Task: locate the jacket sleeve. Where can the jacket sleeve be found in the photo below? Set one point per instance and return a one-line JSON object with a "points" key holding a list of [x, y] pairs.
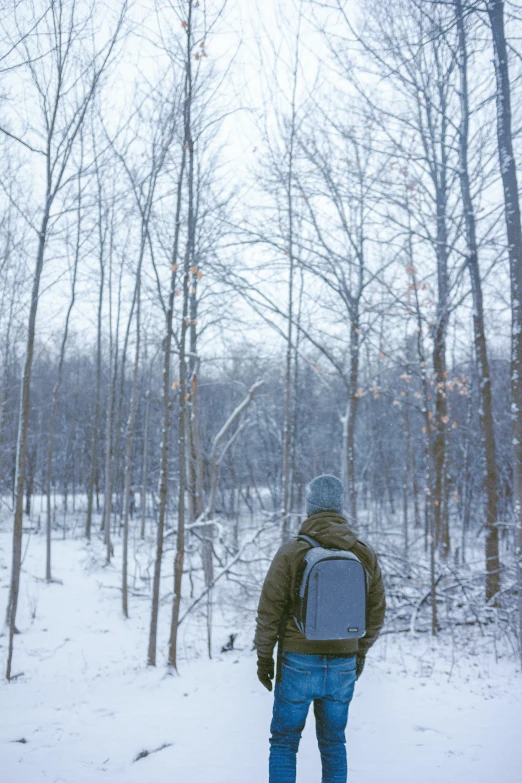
{"points": [[376, 611], [273, 603]]}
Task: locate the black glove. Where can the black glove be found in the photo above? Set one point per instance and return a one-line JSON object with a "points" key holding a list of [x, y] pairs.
{"points": [[265, 671], [359, 666]]}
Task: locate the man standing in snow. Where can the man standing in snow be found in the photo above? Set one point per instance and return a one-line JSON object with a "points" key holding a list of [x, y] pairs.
{"points": [[322, 672]]}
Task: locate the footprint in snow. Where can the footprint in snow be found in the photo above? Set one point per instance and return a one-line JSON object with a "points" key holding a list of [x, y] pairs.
{"points": [[428, 728]]}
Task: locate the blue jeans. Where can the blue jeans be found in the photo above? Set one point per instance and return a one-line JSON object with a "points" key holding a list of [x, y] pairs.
{"points": [[329, 682]]}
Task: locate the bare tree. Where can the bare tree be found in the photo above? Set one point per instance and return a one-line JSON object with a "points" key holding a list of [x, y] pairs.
{"points": [[167, 401], [184, 394], [289, 187], [508, 171], [65, 88], [102, 239], [481, 353], [144, 190], [59, 375], [338, 193]]}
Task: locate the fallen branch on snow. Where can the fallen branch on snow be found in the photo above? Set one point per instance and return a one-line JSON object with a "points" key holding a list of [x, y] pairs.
{"points": [[222, 573], [144, 753]]}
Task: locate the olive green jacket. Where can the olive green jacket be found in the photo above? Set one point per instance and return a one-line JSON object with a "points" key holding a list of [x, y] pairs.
{"points": [[332, 531]]}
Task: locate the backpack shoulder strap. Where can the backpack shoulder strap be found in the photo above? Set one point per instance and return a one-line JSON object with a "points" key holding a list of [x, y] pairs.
{"points": [[309, 540], [288, 611]]}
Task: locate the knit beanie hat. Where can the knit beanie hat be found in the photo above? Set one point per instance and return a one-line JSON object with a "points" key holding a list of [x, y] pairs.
{"points": [[325, 493]]}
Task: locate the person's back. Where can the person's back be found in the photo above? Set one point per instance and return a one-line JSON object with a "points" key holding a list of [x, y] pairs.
{"points": [[318, 671]]}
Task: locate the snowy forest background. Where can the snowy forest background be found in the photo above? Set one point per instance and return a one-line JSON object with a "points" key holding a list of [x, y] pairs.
{"points": [[241, 245]]}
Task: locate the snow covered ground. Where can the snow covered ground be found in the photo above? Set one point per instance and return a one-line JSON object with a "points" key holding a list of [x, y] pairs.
{"points": [[86, 706]]}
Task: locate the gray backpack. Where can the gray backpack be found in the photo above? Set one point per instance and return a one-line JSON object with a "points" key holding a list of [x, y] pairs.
{"points": [[330, 594]]}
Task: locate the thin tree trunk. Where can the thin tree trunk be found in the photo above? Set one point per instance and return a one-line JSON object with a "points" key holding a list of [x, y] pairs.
{"points": [[198, 498], [406, 472], [195, 455], [349, 421], [514, 237], [93, 476], [439, 367], [430, 529], [144, 481], [185, 323], [56, 391], [289, 390], [129, 441], [5, 397], [32, 457], [107, 508], [109, 418], [118, 427], [21, 447], [295, 472], [167, 404], [466, 489], [481, 354]]}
